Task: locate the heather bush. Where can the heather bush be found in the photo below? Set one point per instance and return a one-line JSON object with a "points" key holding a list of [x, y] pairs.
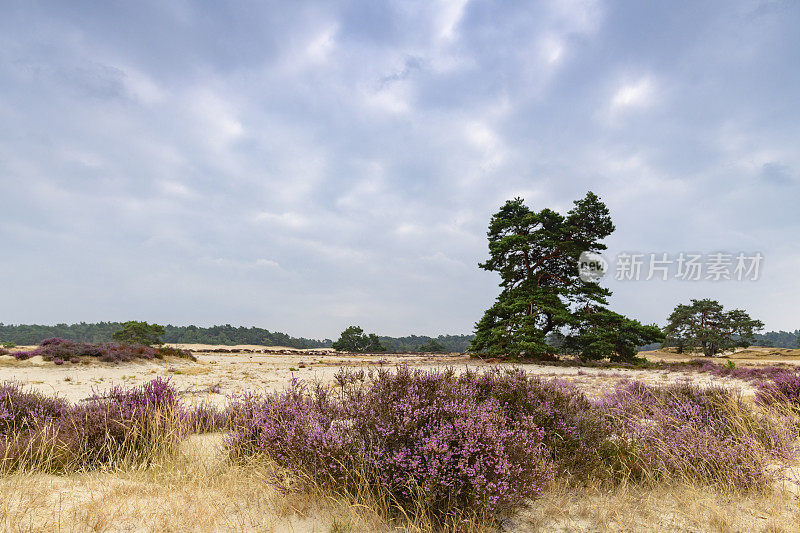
{"points": [[60, 350], [485, 442], [21, 410], [122, 427], [700, 434], [205, 418], [783, 389], [746, 373], [422, 440], [578, 437]]}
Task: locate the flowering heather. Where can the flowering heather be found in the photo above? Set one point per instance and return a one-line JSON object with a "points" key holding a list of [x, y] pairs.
{"points": [[422, 439], [205, 418], [701, 434], [22, 410], [122, 427], [746, 373], [577, 436], [783, 389], [60, 351], [485, 442]]}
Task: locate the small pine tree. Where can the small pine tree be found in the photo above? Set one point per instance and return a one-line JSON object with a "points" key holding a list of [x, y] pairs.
{"points": [[704, 325], [353, 339], [133, 332]]}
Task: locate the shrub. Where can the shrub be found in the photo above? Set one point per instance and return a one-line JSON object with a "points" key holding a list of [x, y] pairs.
{"points": [[205, 418], [484, 442], [701, 434], [419, 440], [578, 437], [60, 350], [22, 410], [730, 370], [123, 427], [784, 389]]}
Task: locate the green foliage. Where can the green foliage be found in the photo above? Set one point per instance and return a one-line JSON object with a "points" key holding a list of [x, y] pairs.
{"points": [[8, 344], [544, 306], [353, 339], [134, 332], [778, 339], [102, 332], [432, 346], [705, 326], [415, 343], [603, 333]]}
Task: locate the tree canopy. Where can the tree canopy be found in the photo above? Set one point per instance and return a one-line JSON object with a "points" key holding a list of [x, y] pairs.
{"points": [[353, 339], [432, 346], [133, 332], [536, 254], [705, 326]]}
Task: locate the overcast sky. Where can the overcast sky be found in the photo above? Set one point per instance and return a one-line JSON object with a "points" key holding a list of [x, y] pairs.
{"points": [[304, 166]]}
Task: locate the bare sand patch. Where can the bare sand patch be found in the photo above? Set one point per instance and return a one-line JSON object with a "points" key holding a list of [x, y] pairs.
{"points": [[216, 375]]}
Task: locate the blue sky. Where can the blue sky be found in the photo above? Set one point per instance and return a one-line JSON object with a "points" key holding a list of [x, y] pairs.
{"points": [[304, 166]]}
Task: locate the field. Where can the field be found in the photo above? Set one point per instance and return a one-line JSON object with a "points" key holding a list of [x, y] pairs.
{"points": [[198, 488]]}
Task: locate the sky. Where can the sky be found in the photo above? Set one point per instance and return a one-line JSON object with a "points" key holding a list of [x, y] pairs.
{"points": [[304, 166]]}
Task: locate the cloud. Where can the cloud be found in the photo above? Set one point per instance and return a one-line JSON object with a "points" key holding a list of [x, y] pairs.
{"points": [[288, 219], [450, 15], [637, 94], [197, 164]]}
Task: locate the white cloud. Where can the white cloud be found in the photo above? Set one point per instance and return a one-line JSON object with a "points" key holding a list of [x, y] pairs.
{"points": [[450, 14], [288, 219], [321, 45], [637, 94], [217, 121], [239, 264], [141, 87], [175, 188], [552, 50], [356, 152]]}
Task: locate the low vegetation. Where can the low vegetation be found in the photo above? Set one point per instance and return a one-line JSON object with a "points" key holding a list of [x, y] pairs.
{"points": [[121, 428], [478, 446], [435, 449], [60, 351]]}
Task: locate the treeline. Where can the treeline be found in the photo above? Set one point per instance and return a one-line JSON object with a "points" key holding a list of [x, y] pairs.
{"points": [[226, 335], [778, 339], [413, 343]]}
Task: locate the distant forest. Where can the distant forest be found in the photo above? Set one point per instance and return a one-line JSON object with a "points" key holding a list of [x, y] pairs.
{"points": [[778, 339], [226, 335], [102, 331]]}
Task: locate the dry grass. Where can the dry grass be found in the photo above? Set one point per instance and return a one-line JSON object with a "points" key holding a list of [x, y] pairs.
{"points": [[197, 490], [679, 507]]}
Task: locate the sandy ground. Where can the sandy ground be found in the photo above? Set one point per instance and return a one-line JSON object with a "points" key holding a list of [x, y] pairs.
{"points": [[208, 494], [216, 376]]}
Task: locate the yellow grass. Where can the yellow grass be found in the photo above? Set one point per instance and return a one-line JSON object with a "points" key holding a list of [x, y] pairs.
{"points": [[197, 490]]}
